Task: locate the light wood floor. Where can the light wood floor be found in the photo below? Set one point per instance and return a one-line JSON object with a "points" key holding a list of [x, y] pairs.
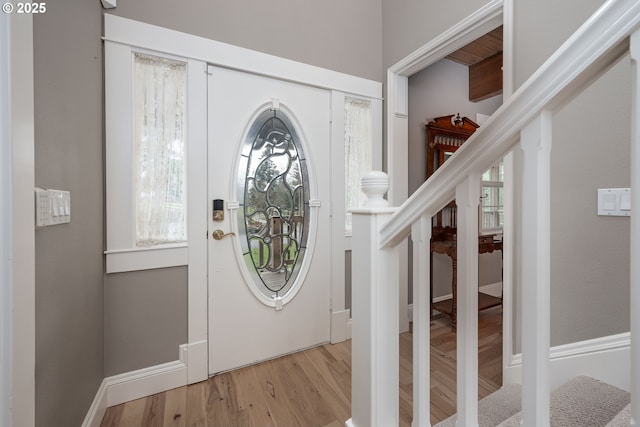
{"points": [[312, 388]]}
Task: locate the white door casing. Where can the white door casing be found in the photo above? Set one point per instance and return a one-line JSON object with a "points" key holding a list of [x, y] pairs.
{"points": [[245, 326]]}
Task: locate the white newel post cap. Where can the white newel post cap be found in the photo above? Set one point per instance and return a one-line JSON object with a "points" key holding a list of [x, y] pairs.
{"points": [[374, 185]]}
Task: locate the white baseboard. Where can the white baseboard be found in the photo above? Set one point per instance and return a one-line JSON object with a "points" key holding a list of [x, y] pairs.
{"points": [[606, 359], [140, 383], [340, 326], [196, 356]]}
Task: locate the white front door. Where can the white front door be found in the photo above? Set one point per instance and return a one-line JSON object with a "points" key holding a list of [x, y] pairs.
{"points": [[270, 277]]}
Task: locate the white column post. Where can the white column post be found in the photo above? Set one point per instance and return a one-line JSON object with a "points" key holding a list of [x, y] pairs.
{"points": [[397, 158], [374, 345], [421, 236], [536, 190], [467, 199], [635, 231]]}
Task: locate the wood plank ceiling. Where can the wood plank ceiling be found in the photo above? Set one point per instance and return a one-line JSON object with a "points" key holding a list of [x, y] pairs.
{"points": [[484, 59], [482, 48]]}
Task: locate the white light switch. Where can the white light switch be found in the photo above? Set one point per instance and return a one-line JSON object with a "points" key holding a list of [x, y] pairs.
{"points": [[614, 201], [625, 201], [609, 202]]}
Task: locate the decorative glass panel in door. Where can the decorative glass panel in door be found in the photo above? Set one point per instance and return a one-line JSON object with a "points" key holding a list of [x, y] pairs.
{"points": [[274, 199]]}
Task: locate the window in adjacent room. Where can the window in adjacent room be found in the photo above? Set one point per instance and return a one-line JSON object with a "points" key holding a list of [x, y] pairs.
{"points": [[492, 204]]}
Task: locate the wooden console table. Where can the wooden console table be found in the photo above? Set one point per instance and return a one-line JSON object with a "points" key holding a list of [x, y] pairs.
{"points": [[486, 244]]}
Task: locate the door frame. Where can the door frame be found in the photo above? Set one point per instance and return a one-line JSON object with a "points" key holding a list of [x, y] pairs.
{"points": [[17, 250], [485, 19], [206, 51]]}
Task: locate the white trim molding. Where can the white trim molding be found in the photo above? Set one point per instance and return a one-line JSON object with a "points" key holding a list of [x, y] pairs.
{"points": [[17, 251], [146, 259], [605, 358], [133, 385], [146, 36]]}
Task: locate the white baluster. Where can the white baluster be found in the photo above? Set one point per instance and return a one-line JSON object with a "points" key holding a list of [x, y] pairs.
{"points": [[467, 199], [536, 190], [374, 344], [421, 236]]}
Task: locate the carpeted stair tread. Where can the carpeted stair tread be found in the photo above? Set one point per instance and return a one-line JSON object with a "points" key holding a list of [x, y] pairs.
{"points": [[582, 402], [622, 419], [495, 408]]}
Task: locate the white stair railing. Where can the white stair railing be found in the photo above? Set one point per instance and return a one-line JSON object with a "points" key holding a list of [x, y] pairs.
{"points": [[525, 118], [375, 326]]}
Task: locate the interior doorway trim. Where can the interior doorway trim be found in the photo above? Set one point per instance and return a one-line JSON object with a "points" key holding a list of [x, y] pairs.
{"points": [[485, 19]]}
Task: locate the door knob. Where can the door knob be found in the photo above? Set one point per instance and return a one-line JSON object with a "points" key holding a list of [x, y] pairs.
{"points": [[219, 234]]}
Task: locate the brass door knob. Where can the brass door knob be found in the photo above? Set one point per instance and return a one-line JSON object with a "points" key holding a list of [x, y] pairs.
{"points": [[219, 234]]}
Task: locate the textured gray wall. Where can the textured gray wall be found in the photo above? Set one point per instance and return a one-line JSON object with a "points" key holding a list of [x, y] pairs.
{"points": [[69, 261], [147, 312], [339, 35]]}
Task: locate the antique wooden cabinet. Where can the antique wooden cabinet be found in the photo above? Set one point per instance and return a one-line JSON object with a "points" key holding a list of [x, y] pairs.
{"points": [[444, 135]]}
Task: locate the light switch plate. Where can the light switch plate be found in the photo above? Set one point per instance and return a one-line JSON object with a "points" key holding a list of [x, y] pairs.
{"points": [[614, 201], [52, 207]]}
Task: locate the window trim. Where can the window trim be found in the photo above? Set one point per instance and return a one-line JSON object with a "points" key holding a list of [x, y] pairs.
{"points": [[122, 253]]}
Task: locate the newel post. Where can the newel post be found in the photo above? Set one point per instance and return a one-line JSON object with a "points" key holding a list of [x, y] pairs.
{"points": [[375, 326]]}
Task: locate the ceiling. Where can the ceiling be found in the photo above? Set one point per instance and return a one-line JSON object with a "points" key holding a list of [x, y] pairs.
{"points": [[479, 49]]}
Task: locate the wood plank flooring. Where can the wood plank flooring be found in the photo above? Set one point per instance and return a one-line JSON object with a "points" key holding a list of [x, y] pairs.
{"points": [[312, 388]]}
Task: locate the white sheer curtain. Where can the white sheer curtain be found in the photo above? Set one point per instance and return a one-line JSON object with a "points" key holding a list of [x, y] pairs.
{"points": [[358, 151], [160, 150]]}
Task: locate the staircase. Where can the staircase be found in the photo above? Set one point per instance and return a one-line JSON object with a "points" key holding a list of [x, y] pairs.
{"points": [[525, 119], [581, 402]]}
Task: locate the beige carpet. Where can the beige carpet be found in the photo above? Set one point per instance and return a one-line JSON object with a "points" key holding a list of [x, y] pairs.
{"points": [[582, 402]]}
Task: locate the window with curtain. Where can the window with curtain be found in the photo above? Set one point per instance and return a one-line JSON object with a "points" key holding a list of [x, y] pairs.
{"points": [[160, 143], [358, 156], [492, 206]]}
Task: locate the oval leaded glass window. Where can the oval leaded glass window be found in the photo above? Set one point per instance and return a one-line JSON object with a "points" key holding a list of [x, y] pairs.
{"points": [[273, 180]]}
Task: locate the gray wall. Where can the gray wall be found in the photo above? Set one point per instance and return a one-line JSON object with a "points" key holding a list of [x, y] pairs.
{"points": [[69, 261], [439, 90], [590, 254], [138, 305], [335, 34], [407, 25]]}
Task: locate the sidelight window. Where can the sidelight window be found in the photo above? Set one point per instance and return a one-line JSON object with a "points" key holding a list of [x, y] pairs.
{"points": [[159, 150], [358, 151]]}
